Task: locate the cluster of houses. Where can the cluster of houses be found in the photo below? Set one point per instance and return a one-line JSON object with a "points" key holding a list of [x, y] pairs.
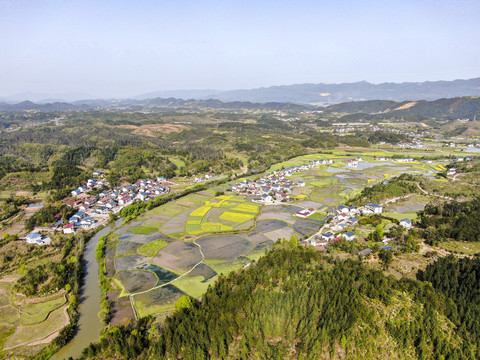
{"points": [[274, 187], [90, 208], [344, 218], [96, 182]]}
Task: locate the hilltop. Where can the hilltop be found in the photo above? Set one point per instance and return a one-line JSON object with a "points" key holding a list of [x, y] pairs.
{"points": [[459, 107]]}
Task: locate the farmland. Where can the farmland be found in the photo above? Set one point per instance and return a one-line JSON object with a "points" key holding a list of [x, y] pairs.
{"points": [[28, 324], [181, 247]]}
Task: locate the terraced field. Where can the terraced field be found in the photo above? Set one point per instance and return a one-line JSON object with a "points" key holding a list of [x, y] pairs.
{"points": [[29, 323]]}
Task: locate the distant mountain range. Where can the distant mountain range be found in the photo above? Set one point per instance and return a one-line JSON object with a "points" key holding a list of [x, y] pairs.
{"points": [[460, 107], [326, 94], [314, 94], [157, 103]]}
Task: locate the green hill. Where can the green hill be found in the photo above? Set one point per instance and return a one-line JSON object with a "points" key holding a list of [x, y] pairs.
{"points": [[454, 108], [300, 304]]}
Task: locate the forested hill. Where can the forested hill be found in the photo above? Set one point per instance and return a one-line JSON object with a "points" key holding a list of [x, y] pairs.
{"points": [[156, 103], [460, 107], [296, 303]]}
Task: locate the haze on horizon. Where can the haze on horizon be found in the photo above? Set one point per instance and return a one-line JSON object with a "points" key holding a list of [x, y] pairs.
{"points": [[123, 48]]}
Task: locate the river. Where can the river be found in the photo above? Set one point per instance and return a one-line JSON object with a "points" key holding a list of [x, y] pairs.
{"points": [[89, 324]]}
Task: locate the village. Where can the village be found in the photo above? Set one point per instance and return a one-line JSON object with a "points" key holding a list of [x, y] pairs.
{"points": [[274, 188], [340, 226], [94, 210]]}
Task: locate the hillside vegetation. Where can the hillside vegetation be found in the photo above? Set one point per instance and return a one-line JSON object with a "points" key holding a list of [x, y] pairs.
{"points": [[298, 304]]}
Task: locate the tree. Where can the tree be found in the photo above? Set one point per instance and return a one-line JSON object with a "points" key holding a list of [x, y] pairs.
{"points": [[293, 241], [386, 257], [377, 234], [183, 303]]}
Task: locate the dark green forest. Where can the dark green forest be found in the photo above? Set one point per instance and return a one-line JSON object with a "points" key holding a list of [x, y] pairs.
{"points": [[451, 220]]}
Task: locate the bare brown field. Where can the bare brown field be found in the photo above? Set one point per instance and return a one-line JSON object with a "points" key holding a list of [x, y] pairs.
{"points": [[152, 130]]}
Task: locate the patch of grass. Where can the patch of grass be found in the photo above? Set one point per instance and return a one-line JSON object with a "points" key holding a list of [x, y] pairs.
{"points": [[170, 209], [157, 301], [194, 286], [193, 229], [43, 307], [30, 320], [412, 215], [143, 229], [151, 249], [317, 216], [26, 334], [177, 161], [461, 247], [229, 266], [324, 182], [8, 314]]}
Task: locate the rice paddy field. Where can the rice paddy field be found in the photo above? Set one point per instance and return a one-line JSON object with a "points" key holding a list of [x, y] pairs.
{"points": [[183, 246]]}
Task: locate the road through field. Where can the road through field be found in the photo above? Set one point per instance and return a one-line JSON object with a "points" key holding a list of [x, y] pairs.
{"points": [[168, 283]]}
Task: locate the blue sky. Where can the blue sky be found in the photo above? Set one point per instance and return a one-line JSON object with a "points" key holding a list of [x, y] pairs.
{"points": [[125, 48]]}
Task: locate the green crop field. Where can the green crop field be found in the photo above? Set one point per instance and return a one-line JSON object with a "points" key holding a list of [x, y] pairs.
{"points": [[144, 229], [151, 249]]}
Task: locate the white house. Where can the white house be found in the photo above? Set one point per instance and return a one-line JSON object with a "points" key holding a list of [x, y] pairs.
{"points": [[451, 171], [76, 192], [343, 209], [69, 229], [328, 236], [32, 238], [406, 223], [88, 221], [349, 236], [304, 213], [267, 198], [316, 241], [374, 208]]}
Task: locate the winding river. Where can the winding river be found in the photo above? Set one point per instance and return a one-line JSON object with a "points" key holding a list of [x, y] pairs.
{"points": [[89, 324]]}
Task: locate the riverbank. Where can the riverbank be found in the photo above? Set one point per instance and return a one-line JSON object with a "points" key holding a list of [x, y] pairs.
{"points": [[89, 324]]}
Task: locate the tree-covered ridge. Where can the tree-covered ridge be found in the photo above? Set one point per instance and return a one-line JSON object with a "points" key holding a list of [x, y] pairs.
{"points": [[400, 186], [298, 304], [451, 220]]}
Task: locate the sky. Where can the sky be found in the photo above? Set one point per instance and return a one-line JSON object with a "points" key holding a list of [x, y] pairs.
{"points": [[126, 48]]}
